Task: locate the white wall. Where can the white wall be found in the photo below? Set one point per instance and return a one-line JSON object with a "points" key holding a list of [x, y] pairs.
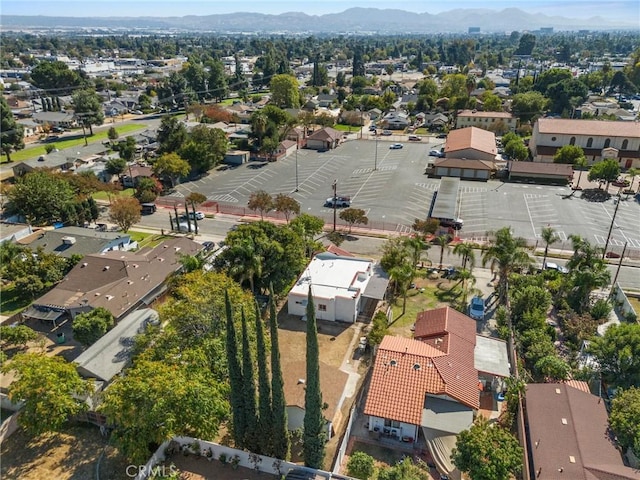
{"points": [[346, 309], [404, 430]]}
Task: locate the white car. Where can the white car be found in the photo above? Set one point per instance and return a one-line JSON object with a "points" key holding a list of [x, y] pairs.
{"points": [[556, 267], [436, 153], [395, 146], [476, 309], [196, 215]]}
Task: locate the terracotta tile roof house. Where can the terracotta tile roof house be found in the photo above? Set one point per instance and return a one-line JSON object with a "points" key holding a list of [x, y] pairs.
{"points": [[484, 120], [598, 138], [471, 143], [568, 436], [332, 383], [119, 281]]}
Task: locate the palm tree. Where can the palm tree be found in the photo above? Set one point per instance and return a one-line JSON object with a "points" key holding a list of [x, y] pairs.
{"points": [[259, 124], [465, 250], [466, 279], [247, 263], [579, 162], [549, 237], [442, 241], [416, 247], [632, 173], [402, 276], [507, 254]]}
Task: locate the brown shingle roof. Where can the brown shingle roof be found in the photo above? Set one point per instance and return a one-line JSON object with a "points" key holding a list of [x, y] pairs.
{"points": [[568, 430], [471, 138], [326, 133], [471, 164], [116, 280], [543, 168], [478, 114], [562, 126]]}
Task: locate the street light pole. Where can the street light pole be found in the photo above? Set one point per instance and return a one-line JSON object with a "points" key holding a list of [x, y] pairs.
{"points": [[297, 163], [375, 161], [335, 203], [613, 220]]}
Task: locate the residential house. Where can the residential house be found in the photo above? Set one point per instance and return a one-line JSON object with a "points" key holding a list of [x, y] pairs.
{"points": [[374, 114], [599, 139], [119, 281], [326, 138], [396, 120], [494, 121], [132, 175], [332, 383], [341, 287], [57, 161], [68, 241], [434, 385], [30, 128], [435, 120], [471, 143], [55, 119], [326, 100], [12, 232], [568, 435], [236, 157]]}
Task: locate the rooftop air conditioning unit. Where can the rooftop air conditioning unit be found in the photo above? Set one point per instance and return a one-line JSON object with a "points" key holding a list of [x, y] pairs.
{"points": [[69, 240]]}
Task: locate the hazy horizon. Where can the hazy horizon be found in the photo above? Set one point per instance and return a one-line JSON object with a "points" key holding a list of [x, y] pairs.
{"points": [[608, 9]]}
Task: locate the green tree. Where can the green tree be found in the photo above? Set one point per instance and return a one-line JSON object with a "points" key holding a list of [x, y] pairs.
{"points": [[236, 379], [18, 335], [171, 166], [87, 106], [379, 329], [553, 368], [526, 45], [280, 432], [157, 400], [286, 205], [284, 91], [31, 285], [354, 216], [618, 354], [55, 76], [625, 417], [403, 470], [492, 102], [506, 254], [260, 201], [40, 197], [11, 132], [360, 465], [91, 326], [127, 149], [252, 434], [529, 105], [314, 436], [112, 134], [265, 413], [466, 251], [50, 388], [308, 227], [172, 134], [568, 154], [549, 237], [124, 212], [196, 198], [605, 171], [587, 271], [514, 147], [487, 452], [116, 166], [204, 148], [442, 241], [402, 276]]}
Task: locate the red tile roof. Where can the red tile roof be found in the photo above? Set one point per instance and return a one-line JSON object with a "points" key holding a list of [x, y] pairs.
{"points": [[562, 126], [471, 138], [406, 370], [339, 251]]}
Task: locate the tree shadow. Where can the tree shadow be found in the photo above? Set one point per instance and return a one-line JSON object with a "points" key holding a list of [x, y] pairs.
{"points": [[595, 195]]}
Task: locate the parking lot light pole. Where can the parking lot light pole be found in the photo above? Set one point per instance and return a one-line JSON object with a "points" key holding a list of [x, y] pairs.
{"points": [[613, 220], [296, 165], [335, 203], [375, 160]]}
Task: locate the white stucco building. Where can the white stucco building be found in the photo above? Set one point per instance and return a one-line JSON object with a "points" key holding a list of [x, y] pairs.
{"points": [[340, 287]]}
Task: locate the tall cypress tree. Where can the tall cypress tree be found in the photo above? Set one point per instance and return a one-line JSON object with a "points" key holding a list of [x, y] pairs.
{"points": [[235, 377], [280, 435], [264, 390], [251, 434], [314, 423]]}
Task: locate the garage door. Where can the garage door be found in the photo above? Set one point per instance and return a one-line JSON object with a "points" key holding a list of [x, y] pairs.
{"points": [[454, 172], [468, 173]]}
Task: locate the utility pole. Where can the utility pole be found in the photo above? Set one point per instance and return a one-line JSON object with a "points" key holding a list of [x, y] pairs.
{"points": [[613, 220], [297, 146], [615, 279], [375, 161], [335, 203]]}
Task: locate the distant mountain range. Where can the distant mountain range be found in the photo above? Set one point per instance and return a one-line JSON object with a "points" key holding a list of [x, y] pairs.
{"points": [[354, 20]]}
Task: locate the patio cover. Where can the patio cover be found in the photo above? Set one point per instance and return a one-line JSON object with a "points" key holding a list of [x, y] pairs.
{"points": [[440, 445], [377, 285], [40, 314]]}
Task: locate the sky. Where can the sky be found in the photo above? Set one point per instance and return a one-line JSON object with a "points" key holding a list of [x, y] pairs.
{"points": [[611, 9]]}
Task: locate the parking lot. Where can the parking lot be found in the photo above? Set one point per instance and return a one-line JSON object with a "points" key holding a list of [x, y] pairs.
{"points": [[390, 185]]}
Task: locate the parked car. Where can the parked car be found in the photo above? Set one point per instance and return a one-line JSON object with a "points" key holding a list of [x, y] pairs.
{"points": [[395, 146], [372, 128], [455, 223], [197, 215], [339, 202], [414, 138], [208, 246], [436, 153], [476, 308], [441, 135], [58, 130], [556, 267], [387, 133]]}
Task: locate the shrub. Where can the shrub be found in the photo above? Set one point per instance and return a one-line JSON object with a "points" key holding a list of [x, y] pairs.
{"points": [[601, 309], [360, 465], [89, 327]]}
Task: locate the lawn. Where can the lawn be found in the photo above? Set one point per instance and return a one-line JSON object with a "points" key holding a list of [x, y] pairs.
{"points": [[28, 153], [128, 192], [11, 301], [346, 128], [145, 239]]}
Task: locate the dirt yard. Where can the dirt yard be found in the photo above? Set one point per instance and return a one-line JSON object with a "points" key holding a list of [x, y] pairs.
{"points": [[199, 468], [64, 456]]}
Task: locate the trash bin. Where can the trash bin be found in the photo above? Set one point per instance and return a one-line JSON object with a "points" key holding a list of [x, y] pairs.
{"points": [[61, 337]]}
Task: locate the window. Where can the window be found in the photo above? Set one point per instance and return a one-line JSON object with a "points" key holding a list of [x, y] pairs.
{"points": [[387, 422], [607, 143], [572, 141], [391, 423], [322, 308], [625, 144], [589, 142]]}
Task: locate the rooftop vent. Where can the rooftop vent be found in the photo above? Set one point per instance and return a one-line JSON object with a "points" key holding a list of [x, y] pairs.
{"points": [[109, 297], [129, 282], [558, 391], [301, 381], [161, 259], [84, 264], [393, 363], [68, 240], [564, 421], [106, 267], [416, 366], [572, 459]]}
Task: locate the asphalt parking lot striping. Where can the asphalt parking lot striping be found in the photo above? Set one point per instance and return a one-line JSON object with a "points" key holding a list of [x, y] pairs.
{"points": [[542, 213], [626, 228]]}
